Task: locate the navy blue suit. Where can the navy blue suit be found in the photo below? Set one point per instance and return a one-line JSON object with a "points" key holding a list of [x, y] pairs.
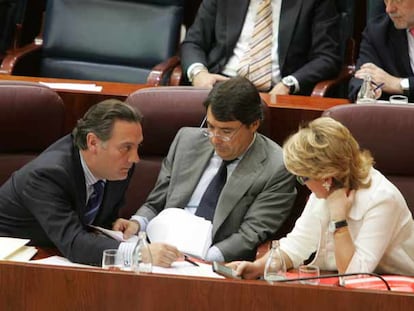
{"points": [[387, 47], [307, 40], [45, 199]]}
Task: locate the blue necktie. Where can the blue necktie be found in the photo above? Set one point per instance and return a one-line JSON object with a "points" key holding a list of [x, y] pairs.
{"points": [[209, 200], [94, 202]]}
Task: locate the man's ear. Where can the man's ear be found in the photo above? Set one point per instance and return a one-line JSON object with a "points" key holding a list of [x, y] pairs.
{"points": [[255, 125], [92, 142]]}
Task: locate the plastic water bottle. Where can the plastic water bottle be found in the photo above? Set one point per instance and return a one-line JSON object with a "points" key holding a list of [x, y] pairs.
{"points": [[275, 268], [141, 256]]}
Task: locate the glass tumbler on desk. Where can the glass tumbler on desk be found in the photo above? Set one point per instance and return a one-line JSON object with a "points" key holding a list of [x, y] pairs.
{"points": [[112, 259], [275, 268], [309, 271], [366, 94]]}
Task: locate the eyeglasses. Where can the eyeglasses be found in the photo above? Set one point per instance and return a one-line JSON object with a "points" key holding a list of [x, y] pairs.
{"points": [[393, 1], [302, 179], [225, 135]]}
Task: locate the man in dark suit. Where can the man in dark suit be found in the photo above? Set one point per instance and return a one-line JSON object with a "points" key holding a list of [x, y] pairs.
{"points": [[387, 52], [49, 200], [258, 194], [305, 49]]}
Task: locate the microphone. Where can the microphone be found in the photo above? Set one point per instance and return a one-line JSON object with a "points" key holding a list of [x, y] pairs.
{"points": [[338, 275]]}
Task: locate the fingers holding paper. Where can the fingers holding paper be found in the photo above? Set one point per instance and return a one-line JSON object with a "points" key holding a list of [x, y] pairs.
{"points": [[164, 255], [127, 227]]}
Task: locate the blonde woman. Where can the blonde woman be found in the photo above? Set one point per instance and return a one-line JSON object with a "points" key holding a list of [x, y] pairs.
{"points": [[355, 219]]}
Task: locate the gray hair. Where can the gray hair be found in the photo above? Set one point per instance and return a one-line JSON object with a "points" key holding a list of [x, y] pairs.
{"points": [[100, 119]]}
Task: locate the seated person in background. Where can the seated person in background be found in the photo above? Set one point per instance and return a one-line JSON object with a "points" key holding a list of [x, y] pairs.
{"points": [[387, 52], [299, 48], [258, 193], [79, 180], [356, 220]]}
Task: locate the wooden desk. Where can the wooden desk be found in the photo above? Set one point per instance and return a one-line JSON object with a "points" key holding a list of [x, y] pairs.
{"points": [[286, 112], [38, 287], [78, 102]]}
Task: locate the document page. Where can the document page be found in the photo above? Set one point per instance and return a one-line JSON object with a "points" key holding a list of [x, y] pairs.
{"points": [[185, 268], [10, 245], [189, 233], [116, 235]]}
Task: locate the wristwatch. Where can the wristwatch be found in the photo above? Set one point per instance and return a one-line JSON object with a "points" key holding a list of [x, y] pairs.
{"points": [[195, 71], [405, 86], [335, 225], [289, 81]]}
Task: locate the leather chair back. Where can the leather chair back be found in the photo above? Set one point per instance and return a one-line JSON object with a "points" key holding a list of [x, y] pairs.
{"points": [[165, 111], [31, 118], [387, 131], [109, 40]]}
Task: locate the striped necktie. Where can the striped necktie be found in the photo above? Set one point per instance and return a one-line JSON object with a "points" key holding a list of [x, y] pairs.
{"points": [[94, 202], [256, 64]]}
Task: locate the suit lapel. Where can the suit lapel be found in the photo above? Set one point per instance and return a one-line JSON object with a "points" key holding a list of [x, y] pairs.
{"points": [[246, 172], [192, 168], [399, 38], [81, 183], [289, 13]]}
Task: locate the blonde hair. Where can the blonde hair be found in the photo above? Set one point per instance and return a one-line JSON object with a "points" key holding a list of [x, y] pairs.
{"points": [[325, 148]]}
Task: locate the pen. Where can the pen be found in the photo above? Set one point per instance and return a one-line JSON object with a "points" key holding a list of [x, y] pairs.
{"points": [[379, 86], [190, 261]]}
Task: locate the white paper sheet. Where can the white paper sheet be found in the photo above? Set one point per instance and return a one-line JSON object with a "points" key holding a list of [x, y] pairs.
{"points": [[116, 235], [23, 254], [74, 86], [10, 245], [187, 269], [189, 233]]}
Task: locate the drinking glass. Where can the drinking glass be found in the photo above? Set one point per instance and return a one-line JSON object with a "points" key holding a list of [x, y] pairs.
{"points": [[398, 99], [309, 271], [113, 260]]}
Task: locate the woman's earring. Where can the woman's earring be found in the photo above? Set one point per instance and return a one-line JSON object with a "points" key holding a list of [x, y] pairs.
{"points": [[326, 185]]}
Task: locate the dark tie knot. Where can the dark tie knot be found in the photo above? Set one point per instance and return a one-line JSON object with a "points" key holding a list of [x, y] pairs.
{"points": [[99, 186], [94, 202]]}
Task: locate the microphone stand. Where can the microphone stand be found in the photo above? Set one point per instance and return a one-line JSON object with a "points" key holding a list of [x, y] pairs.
{"points": [[328, 276]]}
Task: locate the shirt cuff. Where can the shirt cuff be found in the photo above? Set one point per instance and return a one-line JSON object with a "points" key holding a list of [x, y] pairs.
{"points": [[214, 254], [143, 222], [126, 249], [195, 69]]}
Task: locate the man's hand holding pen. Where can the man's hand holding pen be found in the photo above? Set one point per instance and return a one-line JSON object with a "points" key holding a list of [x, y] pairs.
{"points": [[383, 81]]}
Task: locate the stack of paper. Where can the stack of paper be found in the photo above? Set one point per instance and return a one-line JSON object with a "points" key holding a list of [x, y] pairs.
{"points": [[14, 249], [116, 235], [189, 233]]}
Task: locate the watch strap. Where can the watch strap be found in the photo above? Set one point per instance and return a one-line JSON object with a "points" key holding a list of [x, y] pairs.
{"points": [[340, 224]]}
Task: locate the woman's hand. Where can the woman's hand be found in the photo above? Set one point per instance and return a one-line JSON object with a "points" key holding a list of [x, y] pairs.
{"points": [[339, 203], [246, 269]]}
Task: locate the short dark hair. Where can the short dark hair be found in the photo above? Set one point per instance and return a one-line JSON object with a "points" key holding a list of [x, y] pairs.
{"points": [[100, 119], [235, 99]]}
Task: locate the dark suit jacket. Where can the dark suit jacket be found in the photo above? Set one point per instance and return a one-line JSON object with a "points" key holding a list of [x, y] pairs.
{"points": [[254, 203], [386, 47], [308, 34], [44, 201]]}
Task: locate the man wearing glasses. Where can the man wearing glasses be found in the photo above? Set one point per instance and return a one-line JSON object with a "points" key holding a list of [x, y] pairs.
{"points": [[258, 193]]}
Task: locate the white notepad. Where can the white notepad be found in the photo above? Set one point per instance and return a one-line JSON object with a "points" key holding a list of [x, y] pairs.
{"points": [[12, 246], [189, 233]]}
